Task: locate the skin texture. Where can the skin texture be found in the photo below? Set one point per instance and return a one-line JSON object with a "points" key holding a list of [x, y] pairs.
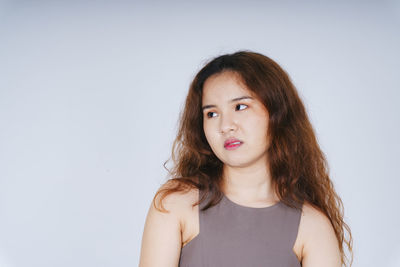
{"points": [[247, 120]]}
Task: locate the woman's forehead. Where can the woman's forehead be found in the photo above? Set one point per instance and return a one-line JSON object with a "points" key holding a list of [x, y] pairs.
{"points": [[225, 85]]}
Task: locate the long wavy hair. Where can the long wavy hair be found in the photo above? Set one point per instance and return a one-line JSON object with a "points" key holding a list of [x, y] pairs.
{"points": [[299, 169]]}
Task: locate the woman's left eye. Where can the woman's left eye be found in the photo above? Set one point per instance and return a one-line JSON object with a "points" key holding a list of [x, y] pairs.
{"points": [[238, 105]]}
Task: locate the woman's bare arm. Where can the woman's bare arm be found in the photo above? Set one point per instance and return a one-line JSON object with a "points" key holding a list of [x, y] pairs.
{"points": [[161, 241], [321, 247]]}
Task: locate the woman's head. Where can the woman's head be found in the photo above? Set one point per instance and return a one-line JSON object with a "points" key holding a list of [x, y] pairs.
{"points": [[274, 96]]}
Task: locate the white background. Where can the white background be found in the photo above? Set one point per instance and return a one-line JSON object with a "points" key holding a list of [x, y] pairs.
{"points": [[90, 94]]}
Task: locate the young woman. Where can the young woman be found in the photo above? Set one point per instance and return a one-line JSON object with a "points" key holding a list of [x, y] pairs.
{"points": [[249, 185]]}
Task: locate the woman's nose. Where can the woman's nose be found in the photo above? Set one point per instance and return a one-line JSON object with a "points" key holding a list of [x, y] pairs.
{"points": [[227, 123]]}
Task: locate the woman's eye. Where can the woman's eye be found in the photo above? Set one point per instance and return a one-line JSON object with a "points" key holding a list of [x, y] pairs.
{"points": [[208, 114], [238, 105]]}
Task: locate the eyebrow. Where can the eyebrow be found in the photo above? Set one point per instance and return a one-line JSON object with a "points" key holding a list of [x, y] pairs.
{"points": [[232, 100]]}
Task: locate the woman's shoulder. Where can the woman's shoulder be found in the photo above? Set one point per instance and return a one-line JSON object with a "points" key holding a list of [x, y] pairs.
{"points": [[179, 203], [313, 217], [165, 223]]}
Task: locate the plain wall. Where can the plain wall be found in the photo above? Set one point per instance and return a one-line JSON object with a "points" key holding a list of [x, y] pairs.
{"points": [[90, 94]]}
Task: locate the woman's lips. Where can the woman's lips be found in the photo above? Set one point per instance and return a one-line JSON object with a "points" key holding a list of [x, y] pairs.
{"points": [[232, 143], [233, 146]]}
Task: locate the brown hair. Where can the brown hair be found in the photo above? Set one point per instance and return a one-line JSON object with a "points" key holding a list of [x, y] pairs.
{"points": [[298, 167]]}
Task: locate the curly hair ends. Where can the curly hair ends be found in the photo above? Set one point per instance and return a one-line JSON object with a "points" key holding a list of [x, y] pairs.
{"points": [[299, 169]]}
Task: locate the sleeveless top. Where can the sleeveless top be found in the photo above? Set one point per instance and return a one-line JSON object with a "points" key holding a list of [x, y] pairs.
{"points": [[232, 235]]}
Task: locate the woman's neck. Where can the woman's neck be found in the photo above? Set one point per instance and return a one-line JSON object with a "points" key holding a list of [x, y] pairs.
{"points": [[251, 184]]}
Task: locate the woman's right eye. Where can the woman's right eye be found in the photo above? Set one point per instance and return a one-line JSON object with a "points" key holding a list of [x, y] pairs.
{"points": [[208, 114]]}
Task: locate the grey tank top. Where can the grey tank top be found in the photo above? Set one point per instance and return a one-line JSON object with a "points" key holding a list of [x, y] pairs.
{"points": [[232, 235]]}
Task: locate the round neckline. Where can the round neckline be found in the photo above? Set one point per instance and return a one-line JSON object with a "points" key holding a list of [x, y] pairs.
{"points": [[273, 206]]}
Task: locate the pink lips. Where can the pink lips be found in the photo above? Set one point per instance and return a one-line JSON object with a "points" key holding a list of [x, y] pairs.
{"points": [[232, 143]]}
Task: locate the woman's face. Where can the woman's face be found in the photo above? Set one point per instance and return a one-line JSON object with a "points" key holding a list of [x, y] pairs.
{"points": [[231, 111]]}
